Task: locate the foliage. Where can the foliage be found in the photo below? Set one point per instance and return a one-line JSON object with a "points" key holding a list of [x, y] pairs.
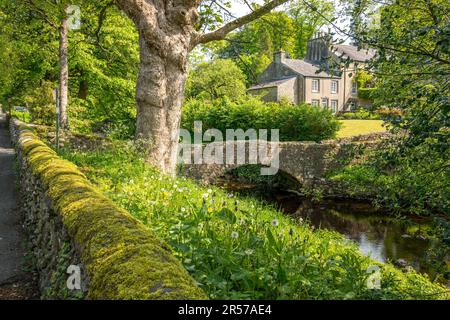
{"points": [[215, 79], [390, 114], [296, 123], [412, 67], [21, 115], [103, 63], [417, 181], [252, 47], [366, 93], [239, 248], [41, 104]]}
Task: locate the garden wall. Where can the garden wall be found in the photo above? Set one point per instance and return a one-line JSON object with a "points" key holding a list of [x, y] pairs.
{"points": [[70, 223]]}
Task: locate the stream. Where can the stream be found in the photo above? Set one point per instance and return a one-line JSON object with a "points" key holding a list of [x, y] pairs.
{"points": [[382, 237]]}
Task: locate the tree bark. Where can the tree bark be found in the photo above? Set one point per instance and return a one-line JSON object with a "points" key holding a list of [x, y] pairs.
{"points": [[159, 98], [64, 72], [167, 34]]}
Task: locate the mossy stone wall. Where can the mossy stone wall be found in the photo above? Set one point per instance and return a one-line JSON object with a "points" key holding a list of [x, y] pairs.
{"points": [[72, 223]]}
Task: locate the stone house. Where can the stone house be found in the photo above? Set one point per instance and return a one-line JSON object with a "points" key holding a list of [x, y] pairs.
{"points": [[310, 80]]}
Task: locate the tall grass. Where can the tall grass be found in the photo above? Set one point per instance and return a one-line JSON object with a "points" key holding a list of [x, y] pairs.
{"points": [[240, 248]]}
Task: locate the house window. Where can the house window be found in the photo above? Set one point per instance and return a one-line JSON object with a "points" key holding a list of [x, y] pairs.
{"points": [[334, 86], [315, 102], [354, 87], [334, 104], [324, 103], [315, 85]]}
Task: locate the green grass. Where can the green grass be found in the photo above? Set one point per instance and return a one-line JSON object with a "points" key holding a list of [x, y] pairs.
{"points": [[240, 248], [352, 128], [22, 116]]}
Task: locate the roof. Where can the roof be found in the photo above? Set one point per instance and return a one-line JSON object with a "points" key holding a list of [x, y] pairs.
{"points": [[305, 68], [354, 53], [271, 84]]}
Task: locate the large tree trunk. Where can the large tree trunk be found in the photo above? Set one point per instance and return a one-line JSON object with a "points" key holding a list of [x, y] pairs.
{"points": [[167, 31], [64, 71], [159, 98]]}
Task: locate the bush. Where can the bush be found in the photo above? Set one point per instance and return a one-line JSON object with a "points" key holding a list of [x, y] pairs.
{"points": [[295, 122], [415, 180], [217, 79], [367, 93], [389, 113], [41, 106]]}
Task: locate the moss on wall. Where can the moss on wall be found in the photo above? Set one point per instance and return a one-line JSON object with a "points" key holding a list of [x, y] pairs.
{"points": [[122, 257]]}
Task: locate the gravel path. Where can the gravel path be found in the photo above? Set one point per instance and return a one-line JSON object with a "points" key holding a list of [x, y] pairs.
{"points": [[15, 283]]}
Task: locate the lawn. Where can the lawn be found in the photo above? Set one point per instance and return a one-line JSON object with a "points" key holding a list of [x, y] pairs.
{"points": [[352, 128]]}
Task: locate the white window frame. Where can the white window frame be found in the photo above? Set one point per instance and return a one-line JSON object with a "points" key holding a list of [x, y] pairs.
{"points": [[334, 106], [354, 87], [324, 103], [318, 85], [336, 89], [315, 102]]}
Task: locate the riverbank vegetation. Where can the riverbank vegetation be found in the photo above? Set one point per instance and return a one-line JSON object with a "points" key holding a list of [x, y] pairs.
{"points": [[240, 248]]}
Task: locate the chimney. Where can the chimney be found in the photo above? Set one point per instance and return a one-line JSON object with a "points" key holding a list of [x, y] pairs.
{"points": [[279, 56], [317, 48]]}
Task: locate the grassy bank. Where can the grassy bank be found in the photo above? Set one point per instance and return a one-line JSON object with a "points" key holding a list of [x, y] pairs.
{"points": [[238, 248], [352, 128]]}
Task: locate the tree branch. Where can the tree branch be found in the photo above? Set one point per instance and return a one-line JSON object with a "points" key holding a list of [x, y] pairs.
{"points": [[220, 33], [42, 14]]}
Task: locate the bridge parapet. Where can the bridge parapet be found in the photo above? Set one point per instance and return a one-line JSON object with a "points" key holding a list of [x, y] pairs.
{"points": [[305, 161]]}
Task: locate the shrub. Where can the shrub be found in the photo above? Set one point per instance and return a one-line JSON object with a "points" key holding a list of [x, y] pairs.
{"points": [[217, 79], [295, 122], [41, 106], [404, 179], [389, 113], [367, 93]]}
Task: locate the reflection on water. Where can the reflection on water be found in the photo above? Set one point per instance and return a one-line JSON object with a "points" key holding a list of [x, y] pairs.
{"points": [[382, 237], [378, 237]]}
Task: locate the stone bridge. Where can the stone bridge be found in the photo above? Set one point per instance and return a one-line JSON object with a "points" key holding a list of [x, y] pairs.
{"points": [[307, 162]]}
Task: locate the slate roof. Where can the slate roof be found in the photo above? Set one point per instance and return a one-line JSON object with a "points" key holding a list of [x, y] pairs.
{"points": [[305, 68], [361, 55], [270, 84]]}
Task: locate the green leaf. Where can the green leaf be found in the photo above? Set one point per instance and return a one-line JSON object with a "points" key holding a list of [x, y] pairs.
{"points": [[273, 242], [227, 215]]}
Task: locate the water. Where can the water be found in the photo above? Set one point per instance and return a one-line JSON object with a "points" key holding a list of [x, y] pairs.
{"points": [[382, 237]]}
